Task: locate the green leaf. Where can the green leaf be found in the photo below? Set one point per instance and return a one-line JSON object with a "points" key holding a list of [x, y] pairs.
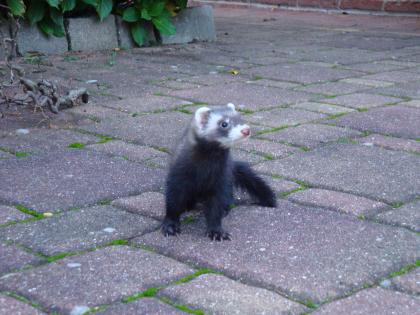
{"points": [[54, 3], [131, 15], [104, 8], [35, 12], [46, 25], [145, 14], [91, 2], [156, 9], [139, 33], [68, 5], [164, 23], [181, 3], [16, 6], [56, 17]]}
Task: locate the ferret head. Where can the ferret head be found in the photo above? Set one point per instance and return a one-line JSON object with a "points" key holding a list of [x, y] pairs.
{"points": [[220, 124]]}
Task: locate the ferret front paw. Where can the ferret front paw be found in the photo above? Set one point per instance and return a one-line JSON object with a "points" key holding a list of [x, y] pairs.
{"points": [[170, 228], [218, 235]]}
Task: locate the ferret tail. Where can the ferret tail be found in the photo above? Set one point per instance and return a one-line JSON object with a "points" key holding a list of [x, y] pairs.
{"points": [[247, 179]]}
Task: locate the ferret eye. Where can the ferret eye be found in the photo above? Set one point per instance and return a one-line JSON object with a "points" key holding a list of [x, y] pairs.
{"points": [[224, 124]]}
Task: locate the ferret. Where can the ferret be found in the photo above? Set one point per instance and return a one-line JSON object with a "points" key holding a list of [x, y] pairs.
{"points": [[202, 171]]}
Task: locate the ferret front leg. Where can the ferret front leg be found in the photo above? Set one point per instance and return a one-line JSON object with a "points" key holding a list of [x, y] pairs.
{"points": [[176, 204], [214, 212]]}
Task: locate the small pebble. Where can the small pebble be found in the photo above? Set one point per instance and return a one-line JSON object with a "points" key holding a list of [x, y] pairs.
{"points": [[386, 283], [109, 230], [79, 310], [22, 131], [73, 265], [91, 81], [48, 214]]}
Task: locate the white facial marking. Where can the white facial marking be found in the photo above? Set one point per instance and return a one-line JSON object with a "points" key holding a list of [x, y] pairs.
{"points": [[236, 135], [231, 106]]}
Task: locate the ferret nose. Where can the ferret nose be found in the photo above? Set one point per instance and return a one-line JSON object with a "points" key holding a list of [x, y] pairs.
{"points": [[246, 131]]}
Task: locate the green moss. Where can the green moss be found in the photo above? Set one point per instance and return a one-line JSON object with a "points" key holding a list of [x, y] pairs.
{"points": [[118, 242], [333, 116], [185, 111], [196, 274], [397, 205], [188, 219], [363, 109], [268, 157], [105, 202], [181, 307], [329, 96], [347, 141], [305, 149], [20, 154], [151, 292], [262, 132], [246, 111], [104, 139], [71, 58], [310, 304], [405, 269], [29, 211], [76, 145], [302, 183], [59, 256], [257, 78]]}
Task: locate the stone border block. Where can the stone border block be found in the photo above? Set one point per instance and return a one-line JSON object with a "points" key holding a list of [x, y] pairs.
{"points": [[195, 23], [92, 34], [31, 38]]}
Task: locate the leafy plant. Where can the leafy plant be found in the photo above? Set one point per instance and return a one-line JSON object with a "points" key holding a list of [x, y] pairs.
{"points": [[48, 14]]}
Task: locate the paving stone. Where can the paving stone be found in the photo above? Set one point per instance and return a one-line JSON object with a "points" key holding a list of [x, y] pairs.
{"points": [[413, 103], [143, 306], [216, 294], [400, 121], [274, 83], [147, 103], [40, 140], [391, 143], [368, 82], [301, 73], [213, 79], [409, 282], [315, 263], [72, 178], [99, 277], [88, 33], [408, 89], [354, 169], [150, 204], [373, 301], [280, 185], [393, 76], [362, 100], [192, 24], [78, 230], [131, 151], [13, 258], [333, 88], [245, 96], [9, 305], [283, 117], [31, 39], [269, 148], [249, 157], [375, 67], [146, 130], [5, 155], [310, 136], [338, 201], [11, 214], [324, 108], [407, 216]]}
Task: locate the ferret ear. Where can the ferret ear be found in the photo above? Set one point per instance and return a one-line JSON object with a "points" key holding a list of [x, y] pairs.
{"points": [[231, 106], [202, 116]]}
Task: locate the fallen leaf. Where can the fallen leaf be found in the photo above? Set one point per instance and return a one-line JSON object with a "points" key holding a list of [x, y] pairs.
{"points": [[234, 71]]}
